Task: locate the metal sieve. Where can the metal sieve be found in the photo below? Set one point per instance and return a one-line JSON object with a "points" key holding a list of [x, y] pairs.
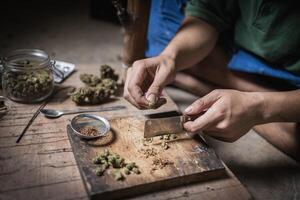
{"points": [[85, 120]]}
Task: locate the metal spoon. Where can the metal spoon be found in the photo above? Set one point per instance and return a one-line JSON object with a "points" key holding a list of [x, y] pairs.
{"points": [[50, 113]]}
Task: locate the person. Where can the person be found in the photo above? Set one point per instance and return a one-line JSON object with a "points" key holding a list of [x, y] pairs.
{"points": [[242, 59]]}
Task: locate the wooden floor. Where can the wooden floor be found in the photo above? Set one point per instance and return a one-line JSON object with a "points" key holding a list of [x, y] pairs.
{"points": [[42, 165]]}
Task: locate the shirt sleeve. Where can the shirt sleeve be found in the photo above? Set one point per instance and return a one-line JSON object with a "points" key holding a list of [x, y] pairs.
{"points": [[219, 13]]}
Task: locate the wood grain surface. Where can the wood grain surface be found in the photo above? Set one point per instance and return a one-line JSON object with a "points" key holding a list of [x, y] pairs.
{"points": [[193, 161]]}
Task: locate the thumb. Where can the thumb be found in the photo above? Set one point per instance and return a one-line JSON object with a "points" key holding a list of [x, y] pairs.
{"points": [[202, 104]]}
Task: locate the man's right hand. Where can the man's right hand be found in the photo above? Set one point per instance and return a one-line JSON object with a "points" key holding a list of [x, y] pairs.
{"points": [[146, 79]]}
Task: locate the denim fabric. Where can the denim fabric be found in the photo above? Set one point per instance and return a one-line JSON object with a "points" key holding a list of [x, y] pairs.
{"points": [[246, 62], [164, 21]]}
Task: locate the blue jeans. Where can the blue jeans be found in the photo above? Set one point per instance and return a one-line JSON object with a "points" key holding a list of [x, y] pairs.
{"points": [[165, 19]]}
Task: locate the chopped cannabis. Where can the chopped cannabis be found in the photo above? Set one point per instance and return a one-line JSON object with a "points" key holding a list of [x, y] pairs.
{"points": [[164, 145], [168, 137], [173, 136], [89, 131], [97, 89], [149, 152], [100, 170], [126, 171], [159, 163], [106, 159], [136, 170], [118, 175]]}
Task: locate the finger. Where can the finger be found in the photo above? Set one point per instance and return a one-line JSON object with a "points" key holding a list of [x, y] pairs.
{"points": [[202, 104], [134, 87], [132, 101], [161, 79], [204, 121], [138, 96], [126, 94]]}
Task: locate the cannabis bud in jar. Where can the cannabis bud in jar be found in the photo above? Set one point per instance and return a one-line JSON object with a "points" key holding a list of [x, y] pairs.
{"points": [[27, 76], [97, 89]]}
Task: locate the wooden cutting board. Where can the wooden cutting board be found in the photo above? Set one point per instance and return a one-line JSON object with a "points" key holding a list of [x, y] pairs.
{"points": [[192, 161]]}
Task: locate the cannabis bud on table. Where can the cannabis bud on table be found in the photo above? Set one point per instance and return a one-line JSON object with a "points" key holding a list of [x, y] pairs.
{"points": [[98, 88]]}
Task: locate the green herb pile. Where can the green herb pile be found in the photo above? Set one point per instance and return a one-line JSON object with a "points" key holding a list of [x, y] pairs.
{"points": [[108, 159], [98, 88]]}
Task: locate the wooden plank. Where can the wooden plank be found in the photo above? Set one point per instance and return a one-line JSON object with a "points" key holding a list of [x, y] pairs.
{"points": [[193, 161], [64, 190]]}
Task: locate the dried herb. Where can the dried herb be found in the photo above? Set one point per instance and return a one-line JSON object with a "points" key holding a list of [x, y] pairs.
{"points": [[126, 171], [159, 163], [107, 72], [97, 89], [100, 171], [164, 145], [89, 131], [90, 79], [28, 85], [136, 170], [106, 159], [118, 175], [168, 137], [149, 152]]}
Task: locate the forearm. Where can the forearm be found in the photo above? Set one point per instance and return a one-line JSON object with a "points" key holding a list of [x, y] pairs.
{"points": [[193, 42], [280, 106]]}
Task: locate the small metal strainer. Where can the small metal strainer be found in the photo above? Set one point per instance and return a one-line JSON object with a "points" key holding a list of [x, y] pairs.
{"points": [[84, 120]]}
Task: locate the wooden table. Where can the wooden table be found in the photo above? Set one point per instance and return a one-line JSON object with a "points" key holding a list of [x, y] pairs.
{"points": [[42, 165]]}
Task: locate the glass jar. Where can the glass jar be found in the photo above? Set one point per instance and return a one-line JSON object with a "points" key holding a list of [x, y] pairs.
{"points": [[27, 75]]}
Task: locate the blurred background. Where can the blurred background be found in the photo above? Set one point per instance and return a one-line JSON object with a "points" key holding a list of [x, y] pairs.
{"points": [[88, 33], [71, 30]]}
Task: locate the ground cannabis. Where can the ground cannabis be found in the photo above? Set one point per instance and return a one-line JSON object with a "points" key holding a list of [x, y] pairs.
{"points": [[159, 163], [106, 159], [165, 145], [89, 131], [168, 137], [97, 89], [28, 85]]}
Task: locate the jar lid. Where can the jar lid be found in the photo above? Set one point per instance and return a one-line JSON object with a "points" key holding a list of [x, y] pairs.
{"points": [[29, 58]]}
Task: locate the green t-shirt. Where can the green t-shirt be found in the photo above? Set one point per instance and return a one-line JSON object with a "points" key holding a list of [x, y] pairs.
{"points": [[270, 29]]}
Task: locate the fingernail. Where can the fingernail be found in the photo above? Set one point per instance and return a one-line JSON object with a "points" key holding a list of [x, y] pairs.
{"points": [[188, 109], [152, 98]]}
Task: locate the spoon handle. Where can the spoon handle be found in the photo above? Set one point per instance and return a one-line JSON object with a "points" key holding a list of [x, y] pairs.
{"points": [[94, 110]]}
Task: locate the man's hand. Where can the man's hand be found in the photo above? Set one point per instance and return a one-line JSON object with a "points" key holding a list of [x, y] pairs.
{"points": [[229, 114], [146, 79]]}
